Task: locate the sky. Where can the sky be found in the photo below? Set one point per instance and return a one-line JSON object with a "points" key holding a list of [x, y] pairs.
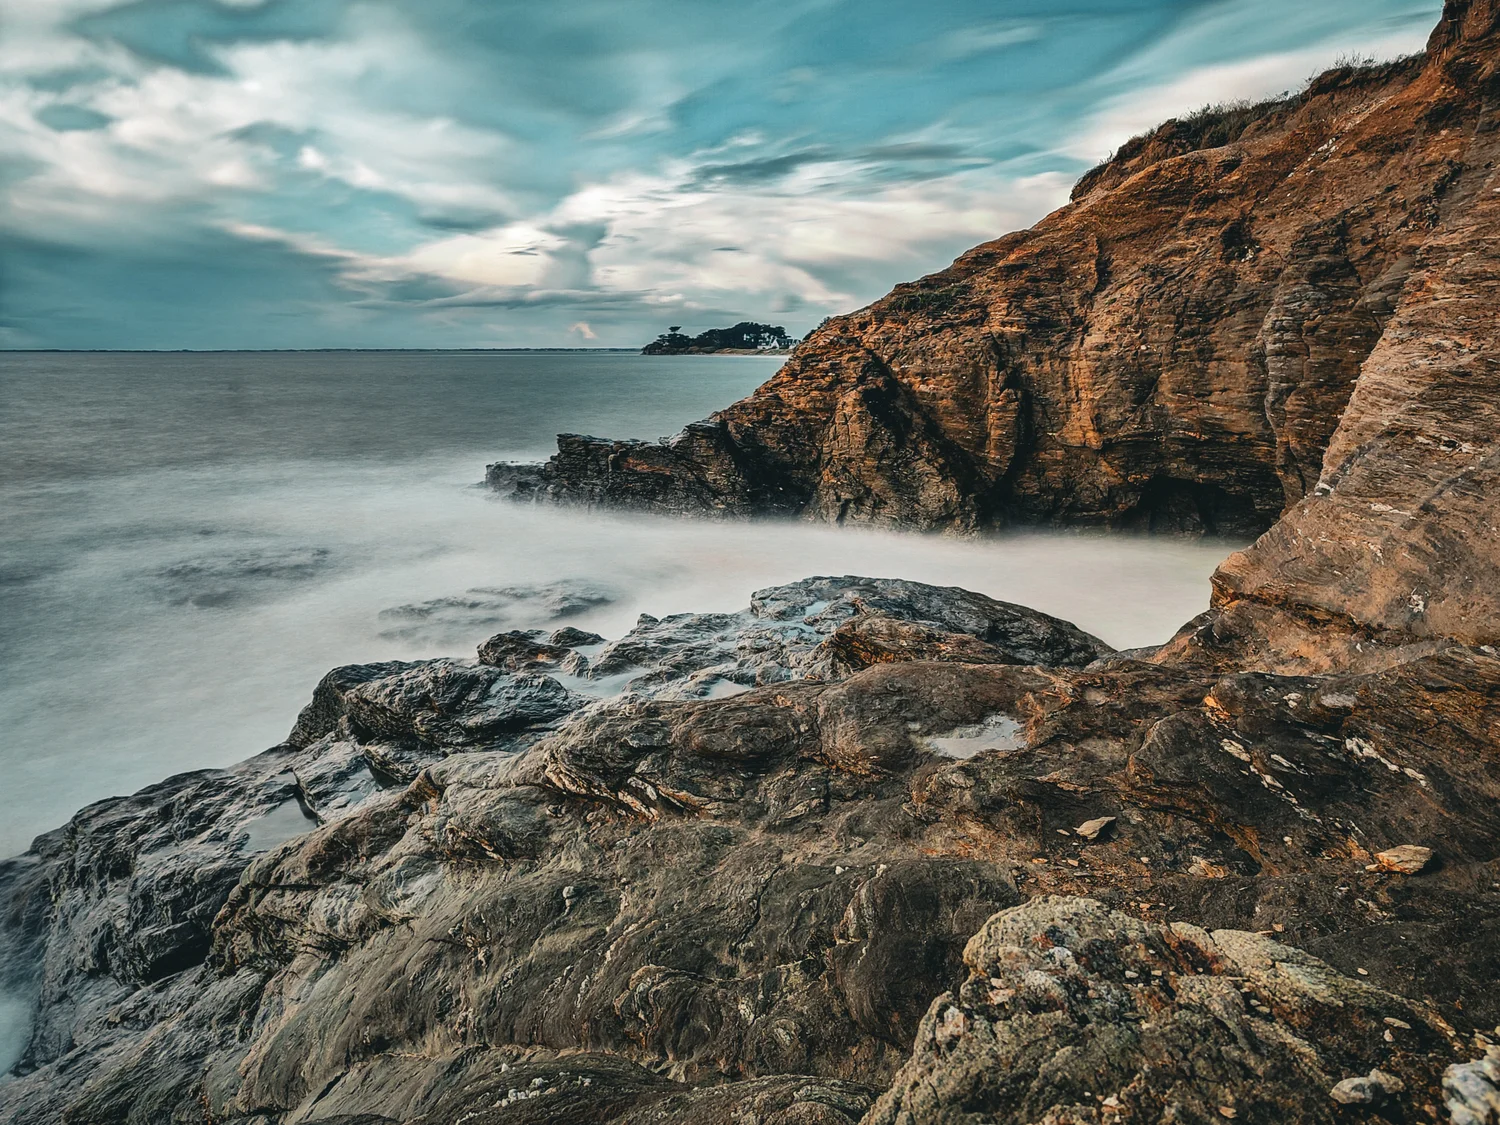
{"points": [[571, 173]]}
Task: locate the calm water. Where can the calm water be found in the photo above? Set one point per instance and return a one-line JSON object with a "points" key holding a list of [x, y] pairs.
{"points": [[190, 541]]}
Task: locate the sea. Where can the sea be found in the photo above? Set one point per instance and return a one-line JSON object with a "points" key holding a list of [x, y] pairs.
{"points": [[188, 541]]}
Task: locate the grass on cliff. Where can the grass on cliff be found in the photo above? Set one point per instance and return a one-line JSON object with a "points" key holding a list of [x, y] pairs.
{"points": [[1222, 123]]}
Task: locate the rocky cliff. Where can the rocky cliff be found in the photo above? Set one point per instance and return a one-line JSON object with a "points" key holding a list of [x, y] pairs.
{"points": [[1172, 350], [872, 851]]}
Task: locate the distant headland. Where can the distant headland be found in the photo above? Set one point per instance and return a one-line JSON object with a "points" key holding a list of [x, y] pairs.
{"points": [[746, 337]]}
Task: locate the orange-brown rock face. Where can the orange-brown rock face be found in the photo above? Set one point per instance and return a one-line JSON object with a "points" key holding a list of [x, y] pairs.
{"points": [[1297, 322], [1393, 551], [1171, 350]]}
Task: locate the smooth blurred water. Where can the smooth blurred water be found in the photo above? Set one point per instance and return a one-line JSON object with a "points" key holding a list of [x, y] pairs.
{"points": [[188, 541]]}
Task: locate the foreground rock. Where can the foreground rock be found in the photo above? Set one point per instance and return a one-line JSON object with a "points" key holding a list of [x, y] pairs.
{"points": [[1072, 1012], [618, 892]]}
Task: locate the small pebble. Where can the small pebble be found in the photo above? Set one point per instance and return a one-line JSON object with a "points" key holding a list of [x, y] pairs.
{"points": [[1392, 1021], [1363, 972], [1131, 974], [1228, 1111]]}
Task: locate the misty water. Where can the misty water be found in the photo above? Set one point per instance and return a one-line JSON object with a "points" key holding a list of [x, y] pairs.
{"points": [[191, 540]]}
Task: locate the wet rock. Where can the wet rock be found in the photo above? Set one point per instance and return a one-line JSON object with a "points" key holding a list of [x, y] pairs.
{"points": [[569, 637], [329, 701], [519, 652], [828, 628], [446, 703]]}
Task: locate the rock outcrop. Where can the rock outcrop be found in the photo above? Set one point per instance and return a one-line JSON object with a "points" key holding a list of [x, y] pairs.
{"points": [[1092, 1015], [1172, 350], [722, 865]]}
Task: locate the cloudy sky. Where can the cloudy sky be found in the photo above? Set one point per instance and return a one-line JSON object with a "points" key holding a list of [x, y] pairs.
{"points": [[488, 173]]}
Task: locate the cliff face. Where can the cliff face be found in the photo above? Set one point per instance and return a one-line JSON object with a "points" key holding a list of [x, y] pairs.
{"points": [[1172, 350]]}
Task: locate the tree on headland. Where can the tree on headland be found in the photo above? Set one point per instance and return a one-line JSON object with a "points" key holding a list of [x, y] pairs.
{"points": [[747, 335], [669, 342]]}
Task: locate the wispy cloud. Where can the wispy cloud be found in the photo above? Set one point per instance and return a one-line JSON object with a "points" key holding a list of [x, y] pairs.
{"points": [[415, 172]]}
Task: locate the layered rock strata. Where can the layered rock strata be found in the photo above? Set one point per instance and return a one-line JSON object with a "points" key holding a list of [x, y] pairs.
{"points": [[1172, 350]]}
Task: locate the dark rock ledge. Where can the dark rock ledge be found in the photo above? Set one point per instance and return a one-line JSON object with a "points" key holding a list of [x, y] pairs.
{"points": [[869, 850]]}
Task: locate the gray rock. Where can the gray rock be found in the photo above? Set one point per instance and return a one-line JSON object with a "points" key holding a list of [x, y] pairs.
{"points": [[1471, 1090], [1373, 1089], [1069, 1006], [828, 628], [569, 637]]}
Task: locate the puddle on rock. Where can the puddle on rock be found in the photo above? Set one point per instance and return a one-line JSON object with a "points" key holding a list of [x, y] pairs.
{"points": [[998, 732], [278, 826]]}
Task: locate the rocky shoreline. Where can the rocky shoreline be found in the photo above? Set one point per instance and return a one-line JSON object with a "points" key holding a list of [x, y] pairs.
{"points": [[741, 863], [874, 851]]}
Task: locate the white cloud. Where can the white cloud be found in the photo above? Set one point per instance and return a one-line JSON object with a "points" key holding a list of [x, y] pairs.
{"points": [[329, 135], [176, 136], [971, 41]]}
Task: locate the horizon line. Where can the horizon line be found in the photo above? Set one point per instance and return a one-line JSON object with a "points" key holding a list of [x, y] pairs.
{"points": [[224, 351]]}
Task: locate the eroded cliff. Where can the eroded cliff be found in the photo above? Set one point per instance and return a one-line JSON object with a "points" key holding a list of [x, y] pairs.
{"points": [[1171, 350]]}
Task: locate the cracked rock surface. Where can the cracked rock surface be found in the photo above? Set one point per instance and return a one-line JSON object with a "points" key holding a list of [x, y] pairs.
{"points": [[450, 897]]}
